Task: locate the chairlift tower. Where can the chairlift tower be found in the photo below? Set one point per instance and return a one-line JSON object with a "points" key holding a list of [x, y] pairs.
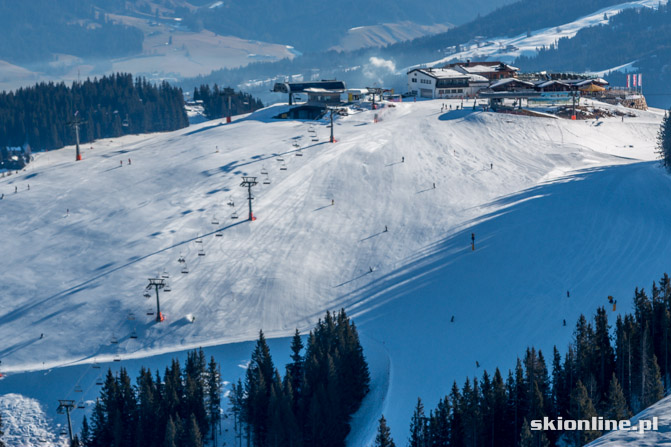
{"points": [[75, 123], [248, 182], [157, 283], [332, 110], [66, 406], [228, 92]]}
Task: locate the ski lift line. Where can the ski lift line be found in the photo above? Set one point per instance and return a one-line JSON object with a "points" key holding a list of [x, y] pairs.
{"points": [[128, 264]]}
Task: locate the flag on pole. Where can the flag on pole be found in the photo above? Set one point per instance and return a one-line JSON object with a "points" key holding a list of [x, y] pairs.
{"points": [[634, 80], [628, 81], [640, 79]]}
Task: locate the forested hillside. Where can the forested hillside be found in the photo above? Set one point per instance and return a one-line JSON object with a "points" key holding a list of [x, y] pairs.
{"points": [[599, 376], [110, 106]]}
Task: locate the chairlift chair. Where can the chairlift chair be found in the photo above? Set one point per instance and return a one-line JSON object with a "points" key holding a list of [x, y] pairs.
{"points": [[201, 252], [81, 404], [99, 381], [95, 366], [264, 171], [133, 334], [150, 311], [64, 432], [199, 240], [78, 389], [167, 288], [230, 202], [215, 221], [181, 259], [131, 316], [147, 294], [165, 274], [299, 153], [114, 341], [266, 181], [117, 358], [283, 167], [185, 269], [218, 234], [234, 215], [280, 159]]}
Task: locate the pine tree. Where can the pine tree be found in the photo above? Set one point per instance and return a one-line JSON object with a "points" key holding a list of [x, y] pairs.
{"points": [[664, 141], [583, 409], [654, 389], [383, 438], [214, 388], [193, 435], [617, 404], [85, 435], [170, 439], [418, 426]]}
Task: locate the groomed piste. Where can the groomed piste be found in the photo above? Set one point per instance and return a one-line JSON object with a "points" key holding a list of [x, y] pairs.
{"points": [[380, 223]]}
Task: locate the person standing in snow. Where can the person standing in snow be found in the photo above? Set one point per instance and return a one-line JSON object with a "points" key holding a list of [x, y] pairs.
{"points": [[129, 161], [120, 162], [402, 159], [472, 241], [332, 202]]}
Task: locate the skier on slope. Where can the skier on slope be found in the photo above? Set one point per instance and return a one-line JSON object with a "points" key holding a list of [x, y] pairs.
{"points": [[129, 161]]}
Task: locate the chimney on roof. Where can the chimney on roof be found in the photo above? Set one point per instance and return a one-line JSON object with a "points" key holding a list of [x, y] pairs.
{"points": [[468, 62]]}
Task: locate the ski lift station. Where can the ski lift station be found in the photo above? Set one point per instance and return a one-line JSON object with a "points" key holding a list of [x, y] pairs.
{"points": [[320, 95]]}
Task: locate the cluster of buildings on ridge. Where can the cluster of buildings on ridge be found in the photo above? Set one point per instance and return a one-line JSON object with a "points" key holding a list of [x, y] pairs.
{"points": [[493, 80], [468, 80]]}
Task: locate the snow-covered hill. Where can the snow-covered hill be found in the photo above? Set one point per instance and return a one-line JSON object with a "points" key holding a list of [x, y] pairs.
{"points": [[554, 205], [508, 48], [385, 34]]}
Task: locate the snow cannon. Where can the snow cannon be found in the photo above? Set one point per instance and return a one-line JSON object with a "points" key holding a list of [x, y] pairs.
{"points": [[161, 317], [79, 157], [228, 120]]}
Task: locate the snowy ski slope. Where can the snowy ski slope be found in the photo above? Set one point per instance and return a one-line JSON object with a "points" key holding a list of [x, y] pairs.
{"points": [[555, 205]]}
